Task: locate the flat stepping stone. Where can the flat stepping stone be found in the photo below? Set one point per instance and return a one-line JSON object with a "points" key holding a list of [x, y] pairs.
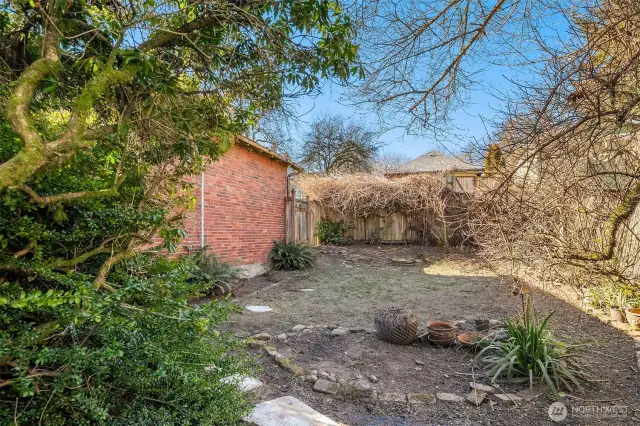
{"points": [[482, 387], [476, 397], [286, 411], [244, 383], [393, 397], [326, 386], [258, 308], [421, 398], [449, 397]]}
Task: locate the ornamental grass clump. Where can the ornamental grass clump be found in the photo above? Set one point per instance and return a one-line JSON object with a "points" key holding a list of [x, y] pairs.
{"points": [[291, 256], [531, 351]]}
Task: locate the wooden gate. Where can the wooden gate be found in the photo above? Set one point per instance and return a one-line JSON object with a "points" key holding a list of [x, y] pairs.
{"points": [[298, 219]]}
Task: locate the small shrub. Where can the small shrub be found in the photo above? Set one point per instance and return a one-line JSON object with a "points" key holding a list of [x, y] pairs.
{"points": [[291, 256], [211, 272], [332, 232], [530, 351]]}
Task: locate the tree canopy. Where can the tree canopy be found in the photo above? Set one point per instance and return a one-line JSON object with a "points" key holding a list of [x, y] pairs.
{"points": [[334, 144], [107, 109]]}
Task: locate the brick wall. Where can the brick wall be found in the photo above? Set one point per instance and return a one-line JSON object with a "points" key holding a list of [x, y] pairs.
{"points": [[244, 206]]}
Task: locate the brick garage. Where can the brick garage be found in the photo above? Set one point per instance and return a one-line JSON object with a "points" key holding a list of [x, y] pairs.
{"points": [[244, 209]]}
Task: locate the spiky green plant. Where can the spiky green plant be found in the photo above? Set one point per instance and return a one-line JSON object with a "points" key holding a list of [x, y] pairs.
{"points": [[531, 351], [291, 256]]}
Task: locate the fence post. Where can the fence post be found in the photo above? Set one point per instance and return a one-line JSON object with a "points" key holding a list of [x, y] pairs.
{"points": [[293, 215], [309, 230]]}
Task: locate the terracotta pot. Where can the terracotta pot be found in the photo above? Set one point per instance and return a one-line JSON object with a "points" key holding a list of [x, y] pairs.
{"points": [[633, 316], [442, 342], [441, 330], [616, 314], [467, 339]]}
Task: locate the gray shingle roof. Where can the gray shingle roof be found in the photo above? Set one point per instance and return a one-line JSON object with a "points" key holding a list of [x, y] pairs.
{"points": [[436, 161]]}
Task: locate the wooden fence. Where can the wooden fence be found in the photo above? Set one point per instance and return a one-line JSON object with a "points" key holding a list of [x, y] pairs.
{"points": [[380, 228]]}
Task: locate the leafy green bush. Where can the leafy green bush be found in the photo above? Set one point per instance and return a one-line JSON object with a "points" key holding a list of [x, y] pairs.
{"points": [[530, 351], [211, 272], [332, 232], [291, 256], [141, 356]]}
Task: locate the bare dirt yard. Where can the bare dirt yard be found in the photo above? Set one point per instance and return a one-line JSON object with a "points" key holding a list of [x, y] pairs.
{"points": [[346, 289]]}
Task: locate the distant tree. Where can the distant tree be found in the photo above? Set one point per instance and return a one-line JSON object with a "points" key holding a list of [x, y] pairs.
{"points": [[336, 145], [390, 161]]}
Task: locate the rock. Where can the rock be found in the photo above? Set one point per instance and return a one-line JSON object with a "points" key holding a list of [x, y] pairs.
{"points": [[339, 332], [324, 374], [507, 398], [286, 410], [373, 379], [359, 376], [393, 397], [476, 397], [358, 330], [449, 397], [241, 334], [242, 382], [362, 385], [343, 252], [258, 308], [282, 337], [307, 331], [402, 261], [424, 338], [325, 386], [483, 388], [333, 379], [528, 394], [255, 344], [421, 398], [342, 382], [494, 322], [418, 362], [306, 289], [312, 378], [314, 372], [299, 327], [262, 336]]}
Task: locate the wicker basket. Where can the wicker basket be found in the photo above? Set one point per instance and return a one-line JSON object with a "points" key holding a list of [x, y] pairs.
{"points": [[397, 326]]}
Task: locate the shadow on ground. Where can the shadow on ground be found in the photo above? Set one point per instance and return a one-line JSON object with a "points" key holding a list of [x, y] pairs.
{"points": [[348, 291]]}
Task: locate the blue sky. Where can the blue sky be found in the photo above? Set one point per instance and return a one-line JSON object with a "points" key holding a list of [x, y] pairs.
{"points": [[469, 121]]}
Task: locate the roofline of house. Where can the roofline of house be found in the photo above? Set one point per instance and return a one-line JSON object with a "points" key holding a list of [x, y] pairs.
{"points": [[479, 170], [269, 153]]}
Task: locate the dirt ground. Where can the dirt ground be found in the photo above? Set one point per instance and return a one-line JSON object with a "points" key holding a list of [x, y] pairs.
{"points": [[351, 284]]}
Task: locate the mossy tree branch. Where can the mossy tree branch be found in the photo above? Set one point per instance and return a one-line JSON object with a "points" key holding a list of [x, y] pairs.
{"points": [[620, 213], [21, 167]]}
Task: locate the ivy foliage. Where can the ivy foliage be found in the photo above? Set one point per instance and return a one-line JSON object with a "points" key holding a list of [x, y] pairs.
{"points": [[332, 232], [108, 108]]}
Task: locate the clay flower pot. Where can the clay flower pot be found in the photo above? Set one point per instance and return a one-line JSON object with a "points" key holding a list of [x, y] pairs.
{"points": [[633, 316], [441, 331], [467, 339]]}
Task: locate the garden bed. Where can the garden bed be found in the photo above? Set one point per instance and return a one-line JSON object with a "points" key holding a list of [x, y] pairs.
{"points": [[351, 284]]}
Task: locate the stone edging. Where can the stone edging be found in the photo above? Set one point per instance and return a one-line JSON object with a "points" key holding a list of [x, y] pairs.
{"points": [[327, 383]]}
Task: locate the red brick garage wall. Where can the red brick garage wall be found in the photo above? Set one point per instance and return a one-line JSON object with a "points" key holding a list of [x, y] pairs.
{"points": [[244, 208]]}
